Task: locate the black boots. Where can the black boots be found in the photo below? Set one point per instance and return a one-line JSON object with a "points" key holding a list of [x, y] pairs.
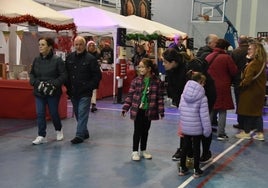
{"points": [[93, 108]]}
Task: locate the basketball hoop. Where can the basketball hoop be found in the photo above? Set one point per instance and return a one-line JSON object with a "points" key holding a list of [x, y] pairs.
{"points": [[204, 17], [207, 11]]}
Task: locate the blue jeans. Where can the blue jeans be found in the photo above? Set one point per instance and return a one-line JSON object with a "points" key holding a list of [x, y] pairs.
{"points": [[53, 105], [81, 107]]}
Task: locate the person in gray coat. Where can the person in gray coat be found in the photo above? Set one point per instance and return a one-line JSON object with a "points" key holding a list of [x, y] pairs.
{"points": [[194, 120]]}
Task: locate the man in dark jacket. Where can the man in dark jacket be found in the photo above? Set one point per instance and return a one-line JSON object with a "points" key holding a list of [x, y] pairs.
{"points": [[210, 40], [83, 77], [174, 74], [178, 44], [202, 53], [239, 56]]}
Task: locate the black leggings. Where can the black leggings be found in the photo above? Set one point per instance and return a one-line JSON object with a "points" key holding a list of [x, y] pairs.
{"points": [[191, 142], [141, 131]]}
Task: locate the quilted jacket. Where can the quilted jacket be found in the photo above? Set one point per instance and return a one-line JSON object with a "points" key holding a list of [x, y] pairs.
{"points": [[193, 108], [155, 98]]}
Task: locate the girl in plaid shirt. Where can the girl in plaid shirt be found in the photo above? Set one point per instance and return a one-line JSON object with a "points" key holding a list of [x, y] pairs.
{"points": [[145, 100]]}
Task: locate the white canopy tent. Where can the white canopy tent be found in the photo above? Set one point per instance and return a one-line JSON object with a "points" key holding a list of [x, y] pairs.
{"points": [[151, 27], [99, 22], [96, 21], [12, 9], [16, 13]]}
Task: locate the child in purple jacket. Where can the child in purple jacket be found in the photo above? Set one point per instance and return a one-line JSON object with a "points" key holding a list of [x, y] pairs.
{"points": [[194, 120]]}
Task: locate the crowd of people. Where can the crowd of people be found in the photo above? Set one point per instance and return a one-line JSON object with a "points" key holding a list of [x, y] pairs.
{"points": [[198, 85], [215, 70]]}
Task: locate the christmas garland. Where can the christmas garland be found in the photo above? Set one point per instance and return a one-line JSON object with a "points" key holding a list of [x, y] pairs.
{"points": [[138, 37], [34, 21]]}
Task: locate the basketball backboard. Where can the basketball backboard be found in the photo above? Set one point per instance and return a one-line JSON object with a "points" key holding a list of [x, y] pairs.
{"points": [[208, 11]]}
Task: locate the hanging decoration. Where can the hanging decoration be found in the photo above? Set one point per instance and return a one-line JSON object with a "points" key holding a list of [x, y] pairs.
{"points": [[138, 37], [63, 43], [6, 35], [31, 19], [20, 34], [33, 29]]}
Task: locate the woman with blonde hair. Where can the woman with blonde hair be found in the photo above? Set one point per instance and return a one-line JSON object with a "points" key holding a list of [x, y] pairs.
{"points": [[252, 91]]}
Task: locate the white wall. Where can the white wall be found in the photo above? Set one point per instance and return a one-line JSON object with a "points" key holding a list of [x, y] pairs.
{"points": [[4, 45], [248, 17], [177, 13]]}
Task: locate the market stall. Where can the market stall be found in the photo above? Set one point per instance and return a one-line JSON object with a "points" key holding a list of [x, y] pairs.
{"points": [[17, 100], [31, 16], [108, 23]]}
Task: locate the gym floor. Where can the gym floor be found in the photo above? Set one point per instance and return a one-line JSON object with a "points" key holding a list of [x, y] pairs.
{"points": [[104, 160]]}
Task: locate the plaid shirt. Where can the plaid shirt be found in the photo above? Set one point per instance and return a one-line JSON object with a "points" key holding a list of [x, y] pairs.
{"points": [[155, 98]]}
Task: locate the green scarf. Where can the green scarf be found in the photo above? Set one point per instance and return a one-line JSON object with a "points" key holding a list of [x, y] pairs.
{"points": [[145, 92]]}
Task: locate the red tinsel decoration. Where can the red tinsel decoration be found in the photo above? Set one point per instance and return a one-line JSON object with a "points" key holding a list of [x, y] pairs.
{"points": [[33, 20]]}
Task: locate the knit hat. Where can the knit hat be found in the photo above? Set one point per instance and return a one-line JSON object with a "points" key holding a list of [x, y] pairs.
{"points": [[91, 42]]}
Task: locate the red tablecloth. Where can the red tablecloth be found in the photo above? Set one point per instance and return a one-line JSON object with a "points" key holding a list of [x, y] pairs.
{"points": [[17, 100], [131, 74], [106, 85]]}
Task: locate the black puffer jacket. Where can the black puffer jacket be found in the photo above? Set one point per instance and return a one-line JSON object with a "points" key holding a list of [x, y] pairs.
{"points": [[49, 69], [203, 52], [84, 74], [176, 79]]}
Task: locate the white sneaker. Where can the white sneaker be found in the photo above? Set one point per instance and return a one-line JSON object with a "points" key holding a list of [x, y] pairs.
{"points": [[39, 140], [259, 136], [146, 155], [59, 135], [135, 156]]}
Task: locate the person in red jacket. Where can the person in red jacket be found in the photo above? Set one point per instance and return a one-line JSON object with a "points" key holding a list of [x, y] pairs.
{"points": [[222, 68]]}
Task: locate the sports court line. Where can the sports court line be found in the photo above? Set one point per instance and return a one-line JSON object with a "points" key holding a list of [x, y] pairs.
{"points": [[187, 181], [224, 164], [171, 113]]}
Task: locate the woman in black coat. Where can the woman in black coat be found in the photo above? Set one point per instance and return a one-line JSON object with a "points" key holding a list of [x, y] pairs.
{"points": [[47, 76]]}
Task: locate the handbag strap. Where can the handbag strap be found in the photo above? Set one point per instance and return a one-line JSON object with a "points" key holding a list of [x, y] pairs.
{"points": [[257, 75], [212, 60]]}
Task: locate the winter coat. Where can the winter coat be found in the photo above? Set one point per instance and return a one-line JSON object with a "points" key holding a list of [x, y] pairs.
{"points": [[200, 65], [252, 91], [49, 69], [176, 79], [193, 108], [203, 52], [239, 56], [97, 55], [84, 74], [222, 69], [155, 98]]}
